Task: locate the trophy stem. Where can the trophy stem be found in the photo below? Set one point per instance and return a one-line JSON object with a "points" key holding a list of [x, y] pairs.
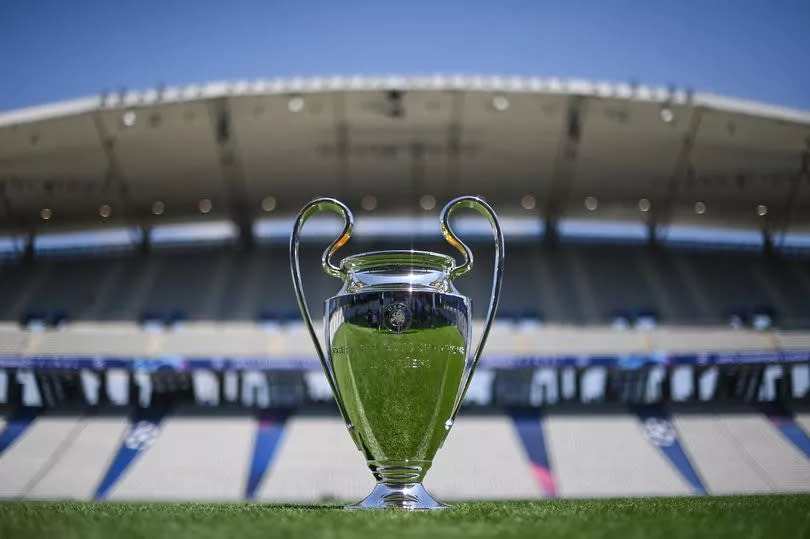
{"points": [[408, 496]]}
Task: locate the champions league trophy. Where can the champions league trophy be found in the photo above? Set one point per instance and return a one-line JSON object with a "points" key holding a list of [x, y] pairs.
{"points": [[397, 352]]}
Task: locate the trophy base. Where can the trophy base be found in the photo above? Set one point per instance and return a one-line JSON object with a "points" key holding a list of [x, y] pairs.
{"points": [[408, 496]]}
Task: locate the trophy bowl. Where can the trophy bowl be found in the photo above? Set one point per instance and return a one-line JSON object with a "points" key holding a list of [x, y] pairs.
{"points": [[397, 351]]}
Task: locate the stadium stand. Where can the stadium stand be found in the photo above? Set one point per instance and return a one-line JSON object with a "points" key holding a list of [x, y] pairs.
{"points": [[245, 339], [192, 282], [340, 475], [193, 457], [204, 457], [483, 455], [23, 464], [792, 340], [737, 453], [653, 335], [607, 454], [76, 467], [83, 338], [211, 339], [723, 464], [11, 338], [804, 421]]}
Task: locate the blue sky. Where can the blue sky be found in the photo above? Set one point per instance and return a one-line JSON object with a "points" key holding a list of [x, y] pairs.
{"points": [[53, 50]]}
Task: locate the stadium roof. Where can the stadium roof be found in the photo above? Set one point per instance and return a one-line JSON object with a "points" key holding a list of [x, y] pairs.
{"points": [[243, 149]]}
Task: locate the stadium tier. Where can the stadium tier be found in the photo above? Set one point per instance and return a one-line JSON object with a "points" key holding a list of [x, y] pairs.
{"points": [[567, 284], [306, 455], [613, 382], [653, 336]]}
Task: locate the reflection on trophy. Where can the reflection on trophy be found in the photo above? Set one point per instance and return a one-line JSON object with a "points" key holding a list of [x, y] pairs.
{"points": [[397, 353]]}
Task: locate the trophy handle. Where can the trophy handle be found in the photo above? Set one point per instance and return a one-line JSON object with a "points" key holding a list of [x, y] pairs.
{"points": [[482, 207], [316, 206]]}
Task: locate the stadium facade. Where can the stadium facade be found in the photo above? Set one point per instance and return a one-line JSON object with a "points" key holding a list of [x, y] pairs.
{"points": [[654, 335]]}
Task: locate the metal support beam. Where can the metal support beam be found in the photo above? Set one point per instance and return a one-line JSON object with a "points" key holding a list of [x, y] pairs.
{"points": [[28, 248], [342, 143], [793, 194], [230, 164], [115, 180], [417, 154], [8, 213], [652, 233], [551, 236], [454, 133], [146, 239], [565, 163], [767, 241], [662, 213]]}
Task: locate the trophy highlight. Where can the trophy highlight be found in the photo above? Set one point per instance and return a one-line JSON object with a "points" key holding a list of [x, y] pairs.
{"points": [[397, 351]]}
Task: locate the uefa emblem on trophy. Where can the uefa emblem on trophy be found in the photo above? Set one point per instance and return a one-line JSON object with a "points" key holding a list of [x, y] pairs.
{"points": [[397, 353]]}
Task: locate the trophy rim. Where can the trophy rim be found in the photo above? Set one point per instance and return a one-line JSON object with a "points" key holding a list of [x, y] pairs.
{"points": [[405, 257]]}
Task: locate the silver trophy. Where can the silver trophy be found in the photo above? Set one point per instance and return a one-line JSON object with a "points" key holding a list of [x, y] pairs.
{"points": [[397, 354]]}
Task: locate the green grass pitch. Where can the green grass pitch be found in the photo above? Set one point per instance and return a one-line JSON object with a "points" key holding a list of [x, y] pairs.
{"points": [[734, 517]]}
